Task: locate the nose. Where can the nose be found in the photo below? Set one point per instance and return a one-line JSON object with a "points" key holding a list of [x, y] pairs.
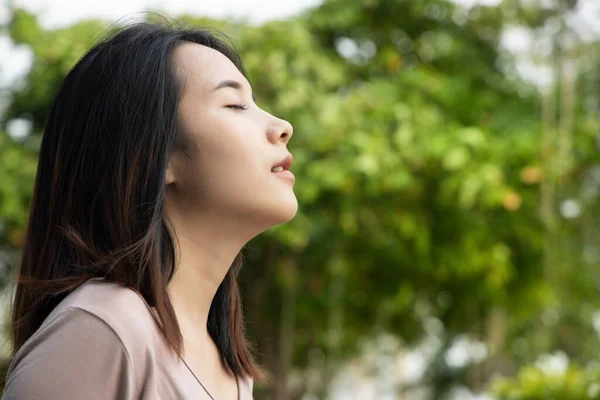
{"points": [[280, 131]]}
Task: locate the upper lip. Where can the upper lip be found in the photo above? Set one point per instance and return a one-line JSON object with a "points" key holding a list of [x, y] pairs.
{"points": [[286, 162]]}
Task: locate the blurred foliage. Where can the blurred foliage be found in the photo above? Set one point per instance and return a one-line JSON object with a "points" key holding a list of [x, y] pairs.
{"points": [[535, 384], [418, 164]]}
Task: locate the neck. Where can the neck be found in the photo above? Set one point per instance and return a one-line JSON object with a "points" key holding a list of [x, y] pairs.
{"points": [[204, 256]]}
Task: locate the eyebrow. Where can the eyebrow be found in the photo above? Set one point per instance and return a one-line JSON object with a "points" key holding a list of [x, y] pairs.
{"points": [[232, 84]]}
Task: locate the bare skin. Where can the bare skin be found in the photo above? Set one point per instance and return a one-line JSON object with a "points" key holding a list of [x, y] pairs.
{"points": [[220, 199]]}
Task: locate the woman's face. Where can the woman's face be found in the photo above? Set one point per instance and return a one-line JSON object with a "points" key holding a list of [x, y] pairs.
{"points": [[229, 176]]}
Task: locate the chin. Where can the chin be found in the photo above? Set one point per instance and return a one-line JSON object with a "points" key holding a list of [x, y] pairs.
{"points": [[286, 211], [283, 211], [291, 213]]}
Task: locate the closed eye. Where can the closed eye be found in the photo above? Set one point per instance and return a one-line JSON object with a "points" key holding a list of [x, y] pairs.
{"points": [[238, 106]]}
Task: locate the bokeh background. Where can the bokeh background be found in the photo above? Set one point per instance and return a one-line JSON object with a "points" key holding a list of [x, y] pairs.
{"points": [[447, 156]]}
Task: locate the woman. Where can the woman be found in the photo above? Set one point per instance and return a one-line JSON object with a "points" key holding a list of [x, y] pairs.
{"points": [[156, 167]]}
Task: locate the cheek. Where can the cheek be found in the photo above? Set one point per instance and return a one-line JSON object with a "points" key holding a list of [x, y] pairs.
{"points": [[231, 153], [228, 162], [235, 143]]}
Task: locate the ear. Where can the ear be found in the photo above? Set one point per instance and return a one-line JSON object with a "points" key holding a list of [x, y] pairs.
{"points": [[170, 173]]}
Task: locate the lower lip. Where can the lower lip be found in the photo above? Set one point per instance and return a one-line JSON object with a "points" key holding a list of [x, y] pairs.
{"points": [[285, 174]]}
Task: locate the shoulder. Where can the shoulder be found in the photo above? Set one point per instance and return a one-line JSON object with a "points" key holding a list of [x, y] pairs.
{"points": [[74, 350], [96, 335], [109, 301], [120, 308]]}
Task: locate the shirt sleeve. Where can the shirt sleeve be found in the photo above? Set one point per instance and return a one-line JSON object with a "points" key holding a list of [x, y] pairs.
{"points": [[76, 356]]}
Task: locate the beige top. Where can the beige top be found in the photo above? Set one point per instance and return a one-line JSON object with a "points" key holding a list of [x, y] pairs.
{"points": [[102, 342]]}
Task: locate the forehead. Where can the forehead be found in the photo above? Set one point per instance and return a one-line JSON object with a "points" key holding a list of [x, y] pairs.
{"points": [[203, 68]]}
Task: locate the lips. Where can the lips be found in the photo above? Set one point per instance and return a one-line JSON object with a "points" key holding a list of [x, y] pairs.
{"points": [[284, 164], [281, 169]]}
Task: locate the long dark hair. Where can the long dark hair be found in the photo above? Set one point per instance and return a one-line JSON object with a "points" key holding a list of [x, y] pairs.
{"points": [[97, 208]]}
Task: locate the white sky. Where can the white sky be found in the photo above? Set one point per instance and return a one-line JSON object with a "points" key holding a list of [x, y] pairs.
{"points": [[14, 61], [64, 12]]}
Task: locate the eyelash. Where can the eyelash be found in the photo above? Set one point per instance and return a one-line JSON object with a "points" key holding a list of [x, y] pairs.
{"points": [[240, 107]]}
